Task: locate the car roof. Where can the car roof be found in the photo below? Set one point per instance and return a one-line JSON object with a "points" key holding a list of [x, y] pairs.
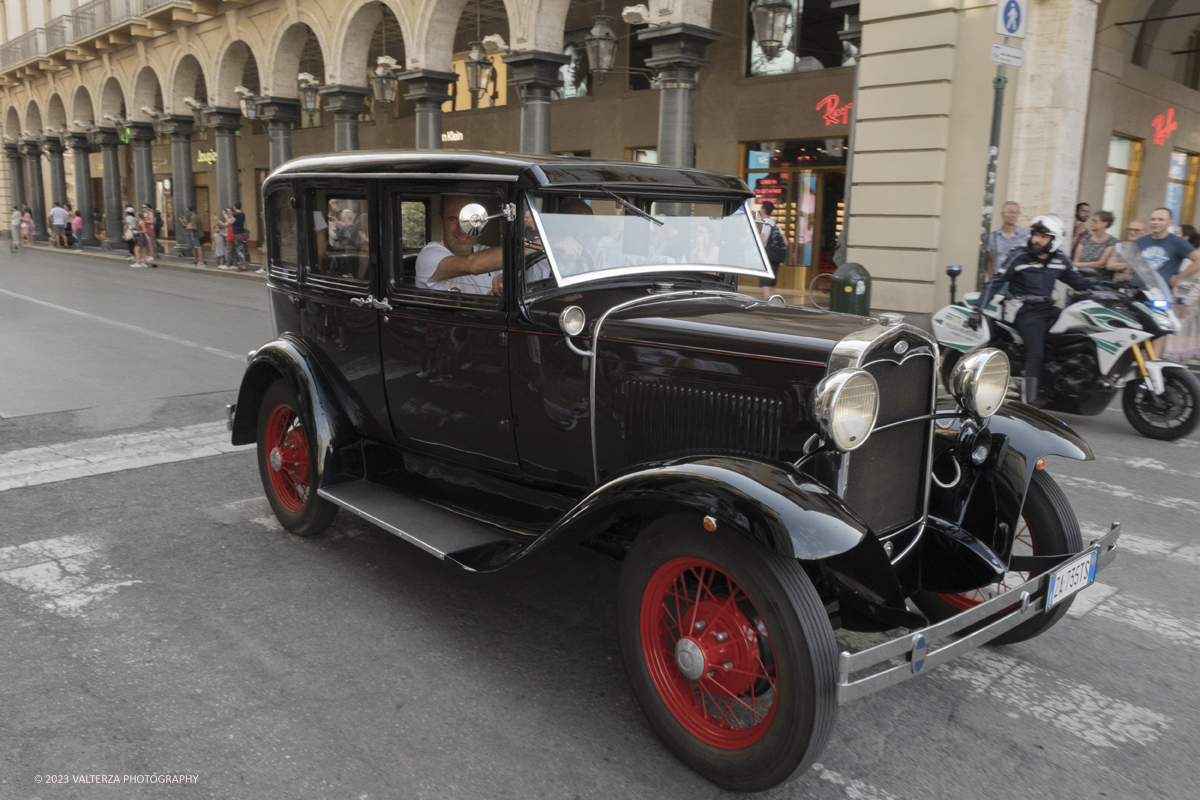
{"points": [[531, 171]]}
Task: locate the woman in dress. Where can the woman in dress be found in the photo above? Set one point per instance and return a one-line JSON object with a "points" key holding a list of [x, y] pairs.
{"points": [[218, 238], [1096, 251], [141, 243], [26, 225], [148, 229]]}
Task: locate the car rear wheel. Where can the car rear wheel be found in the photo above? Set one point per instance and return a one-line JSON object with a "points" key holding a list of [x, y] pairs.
{"points": [[1047, 527], [729, 651], [285, 458]]}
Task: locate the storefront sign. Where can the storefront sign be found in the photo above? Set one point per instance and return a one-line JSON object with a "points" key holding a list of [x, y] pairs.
{"points": [[1164, 125], [452, 136], [835, 113], [207, 157]]}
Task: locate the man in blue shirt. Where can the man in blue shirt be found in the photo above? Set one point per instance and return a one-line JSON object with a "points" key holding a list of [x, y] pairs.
{"points": [[1165, 251]]}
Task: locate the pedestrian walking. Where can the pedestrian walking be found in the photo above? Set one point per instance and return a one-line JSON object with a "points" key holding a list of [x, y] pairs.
{"points": [[141, 242], [58, 225], [775, 244], [195, 234], [1096, 250], [15, 230], [77, 230], [129, 234], [218, 237], [148, 228], [1008, 237], [239, 236], [26, 225]]}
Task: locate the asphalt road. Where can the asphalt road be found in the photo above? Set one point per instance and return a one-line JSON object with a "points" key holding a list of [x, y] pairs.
{"points": [[155, 619]]}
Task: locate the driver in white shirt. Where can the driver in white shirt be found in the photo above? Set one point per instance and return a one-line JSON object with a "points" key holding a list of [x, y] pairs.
{"points": [[457, 263]]}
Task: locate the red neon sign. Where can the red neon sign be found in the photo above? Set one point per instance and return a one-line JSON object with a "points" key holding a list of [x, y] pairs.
{"points": [[1164, 125], [835, 114]]}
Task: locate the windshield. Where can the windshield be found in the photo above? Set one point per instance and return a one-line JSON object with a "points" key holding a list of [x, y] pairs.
{"points": [[1148, 278], [583, 237]]}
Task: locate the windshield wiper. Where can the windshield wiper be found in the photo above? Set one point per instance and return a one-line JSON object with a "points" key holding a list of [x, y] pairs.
{"points": [[631, 207]]}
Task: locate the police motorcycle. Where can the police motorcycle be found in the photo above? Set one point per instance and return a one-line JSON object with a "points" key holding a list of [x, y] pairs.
{"points": [[1100, 344]]}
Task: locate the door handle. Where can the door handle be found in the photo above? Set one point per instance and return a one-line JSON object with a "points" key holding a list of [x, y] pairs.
{"points": [[369, 300], [382, 305]]}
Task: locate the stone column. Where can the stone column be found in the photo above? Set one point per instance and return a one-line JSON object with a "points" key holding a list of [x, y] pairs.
{"points": [[53, 147], [82, 146], [280, 113], [226, 122], [35, 187], [141, 134], [346, 103], [427, 88], [179, 128], [114, 207], [535, 74], [16, 175], [676, 56]]}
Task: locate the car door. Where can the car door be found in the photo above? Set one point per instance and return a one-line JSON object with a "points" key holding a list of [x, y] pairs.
{"points": [[445, 351], [339, 318]]}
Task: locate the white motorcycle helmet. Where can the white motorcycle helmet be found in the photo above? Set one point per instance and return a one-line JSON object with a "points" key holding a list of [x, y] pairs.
{"points": [[1051, 225]]}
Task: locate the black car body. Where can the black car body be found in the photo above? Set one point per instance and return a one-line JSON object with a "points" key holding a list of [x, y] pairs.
{"points": [[631, 400]]}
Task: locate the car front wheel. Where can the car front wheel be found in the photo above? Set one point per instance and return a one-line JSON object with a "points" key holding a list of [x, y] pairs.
{"points": [[729, 651], [285, 459]]}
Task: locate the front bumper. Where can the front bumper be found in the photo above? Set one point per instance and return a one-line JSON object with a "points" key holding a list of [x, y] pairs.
{"points": [[918, 647]]}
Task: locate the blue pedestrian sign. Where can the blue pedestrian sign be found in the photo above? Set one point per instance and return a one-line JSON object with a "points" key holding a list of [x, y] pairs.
{"points": [[1012, 18]]}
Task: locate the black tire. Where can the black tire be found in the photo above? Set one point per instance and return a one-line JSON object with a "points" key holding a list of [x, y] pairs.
{"points": [[950, 359], [1173, 415], [1054, 530], [798, 644], [308, 514]]}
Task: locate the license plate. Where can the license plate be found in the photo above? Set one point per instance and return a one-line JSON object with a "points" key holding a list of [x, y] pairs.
{"points": [[1070, 579]]}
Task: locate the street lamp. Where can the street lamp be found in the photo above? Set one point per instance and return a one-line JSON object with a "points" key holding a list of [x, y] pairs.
{"points": [[770, 24], [309, 96], [198, 110], [384, 82], [601, 44], [479, 69], [248, 102]]}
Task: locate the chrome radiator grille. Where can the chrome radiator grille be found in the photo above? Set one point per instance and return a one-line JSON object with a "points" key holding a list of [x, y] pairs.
{"points": [[661, 418], [886, 481]]}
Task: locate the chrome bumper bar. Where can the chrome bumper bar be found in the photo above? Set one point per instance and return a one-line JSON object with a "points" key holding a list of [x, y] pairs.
{"points": [[918, 647]]}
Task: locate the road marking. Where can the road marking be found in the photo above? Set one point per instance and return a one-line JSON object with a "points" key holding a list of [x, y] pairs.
{"points": [[60, 575], [1109, 603], [136, 329], [1154, 464], [86, 457], [853, 788], [1141, 545], [1087, 600], [1066, 704], [1115, 490]]}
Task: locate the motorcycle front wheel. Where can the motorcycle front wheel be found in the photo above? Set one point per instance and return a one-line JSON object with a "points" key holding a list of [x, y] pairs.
{"points": [[1173, 414]]}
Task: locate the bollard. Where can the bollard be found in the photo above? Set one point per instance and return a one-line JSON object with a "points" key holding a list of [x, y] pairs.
{"points": [[850, 291]]}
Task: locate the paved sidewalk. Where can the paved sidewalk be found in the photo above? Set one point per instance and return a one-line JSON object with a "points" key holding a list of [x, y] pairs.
{"points": [[163, 261]]}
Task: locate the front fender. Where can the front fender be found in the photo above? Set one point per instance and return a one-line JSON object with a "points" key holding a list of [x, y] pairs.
{"points": [[333, 438], [1156, 369], [1035, 434]]}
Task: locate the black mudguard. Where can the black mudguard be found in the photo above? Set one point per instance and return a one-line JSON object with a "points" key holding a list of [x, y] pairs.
{"points": [[334, 439]]}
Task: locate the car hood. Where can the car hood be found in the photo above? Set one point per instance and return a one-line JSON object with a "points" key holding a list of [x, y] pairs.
{"points": [[740, 326]]}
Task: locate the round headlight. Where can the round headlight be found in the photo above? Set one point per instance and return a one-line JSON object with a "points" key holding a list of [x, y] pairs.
{"points": [[571, 320], [980, 381], [846, 405]]}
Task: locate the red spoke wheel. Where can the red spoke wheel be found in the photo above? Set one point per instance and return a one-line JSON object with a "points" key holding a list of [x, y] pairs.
{"points": [[1048, 527], [729, 651], [285, 459]]}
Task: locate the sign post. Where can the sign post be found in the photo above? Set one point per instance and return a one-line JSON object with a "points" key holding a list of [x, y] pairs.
{"points": [[1012, 20]]}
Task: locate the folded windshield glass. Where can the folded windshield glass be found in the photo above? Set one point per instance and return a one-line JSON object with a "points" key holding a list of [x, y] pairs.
{"points": [[582, 238]]}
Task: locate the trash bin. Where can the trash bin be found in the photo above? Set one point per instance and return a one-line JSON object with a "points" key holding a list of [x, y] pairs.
{"points": [[850, 290]]}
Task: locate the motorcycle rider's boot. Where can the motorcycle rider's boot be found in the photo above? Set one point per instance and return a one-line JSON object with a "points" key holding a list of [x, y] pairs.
{"points": [[1029, 391]]}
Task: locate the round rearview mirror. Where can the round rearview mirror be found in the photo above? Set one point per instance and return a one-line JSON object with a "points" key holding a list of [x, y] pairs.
{"points": [[473, 219]]}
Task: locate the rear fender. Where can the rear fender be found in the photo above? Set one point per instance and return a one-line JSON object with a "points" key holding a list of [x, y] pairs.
{"points": [[335, 442]]}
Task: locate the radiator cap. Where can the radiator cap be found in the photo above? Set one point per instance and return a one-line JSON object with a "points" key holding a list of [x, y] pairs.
{"points": [[890, 320]]}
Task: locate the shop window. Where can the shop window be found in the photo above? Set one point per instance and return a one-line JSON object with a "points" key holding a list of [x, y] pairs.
{"points": [[643, 155], [1191, 71], [496, 94], [640, 76], [312, 120], [819, 34], [1120, 182], [1181, 186], [575, 77]]}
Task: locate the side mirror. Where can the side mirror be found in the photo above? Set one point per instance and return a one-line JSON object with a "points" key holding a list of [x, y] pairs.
{"points": [[473, 219]]}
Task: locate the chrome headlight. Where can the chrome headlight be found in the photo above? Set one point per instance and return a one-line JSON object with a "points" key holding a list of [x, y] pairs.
{"points": [[846, 405], [980, 381]]}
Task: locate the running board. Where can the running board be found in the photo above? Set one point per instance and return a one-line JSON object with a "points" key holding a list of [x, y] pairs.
{"points": [[435, 530]]}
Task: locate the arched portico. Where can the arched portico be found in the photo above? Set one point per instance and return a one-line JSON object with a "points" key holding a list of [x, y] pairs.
{"points": [[16, 165], [31, 150], [82, 117]]}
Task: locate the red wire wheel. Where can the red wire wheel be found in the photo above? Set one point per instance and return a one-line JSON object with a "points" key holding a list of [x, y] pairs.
{"points": [[709, 653], [287, 457]]}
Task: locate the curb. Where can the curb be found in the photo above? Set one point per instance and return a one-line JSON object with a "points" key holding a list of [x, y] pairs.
{"points": [[163, 262]]}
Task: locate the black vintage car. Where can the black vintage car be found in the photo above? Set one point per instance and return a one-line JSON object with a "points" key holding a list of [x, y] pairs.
{"points": [[488, 354]]}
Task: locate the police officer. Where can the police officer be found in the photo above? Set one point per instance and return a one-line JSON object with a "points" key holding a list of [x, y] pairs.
{"points": [[1030, 273]]}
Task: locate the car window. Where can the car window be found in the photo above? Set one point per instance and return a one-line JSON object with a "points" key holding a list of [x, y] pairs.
{"points": [[429, 235], [341, 227], [281, 228]]}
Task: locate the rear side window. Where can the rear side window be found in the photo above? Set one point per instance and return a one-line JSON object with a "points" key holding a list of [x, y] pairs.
{"points": [[283, 241], [341, 226]]}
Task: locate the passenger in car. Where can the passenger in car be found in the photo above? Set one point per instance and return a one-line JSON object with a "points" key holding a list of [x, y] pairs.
{"points": [[455, 263]]}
